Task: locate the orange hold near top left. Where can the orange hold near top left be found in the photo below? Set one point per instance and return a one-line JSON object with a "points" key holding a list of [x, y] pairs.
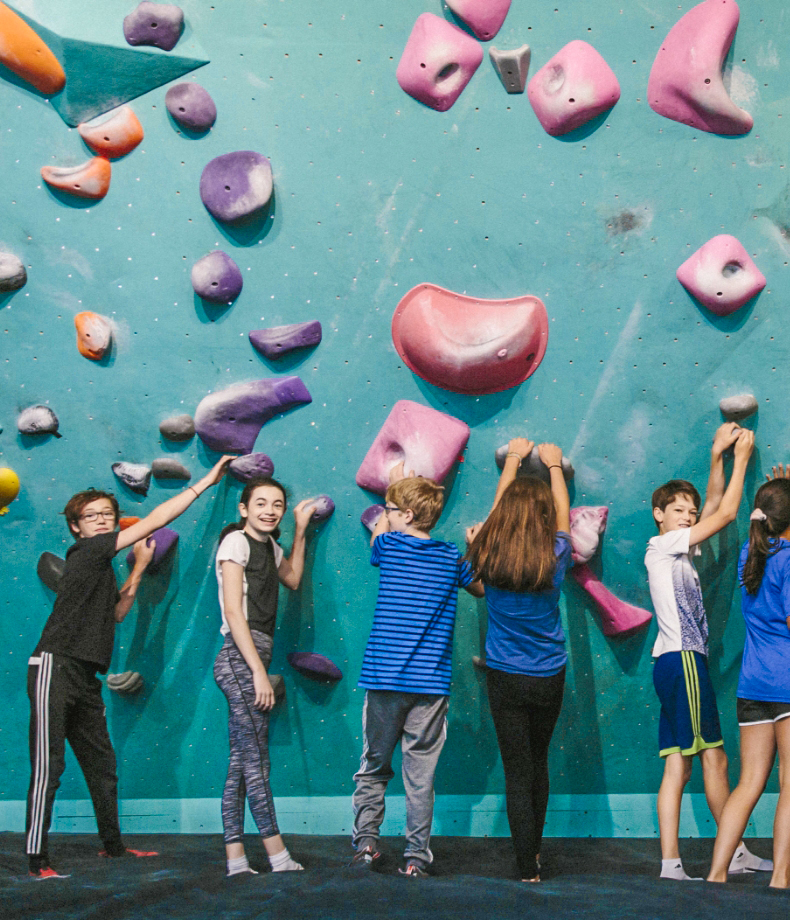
{"points": [[25, 53], [90, 179]]}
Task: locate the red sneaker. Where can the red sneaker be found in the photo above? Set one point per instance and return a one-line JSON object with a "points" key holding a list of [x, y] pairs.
{"points": [[46, 872], [129, 852]]}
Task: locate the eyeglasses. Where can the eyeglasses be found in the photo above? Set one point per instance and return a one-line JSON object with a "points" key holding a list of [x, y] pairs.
{"points": [[388, 509], [90, 516]]}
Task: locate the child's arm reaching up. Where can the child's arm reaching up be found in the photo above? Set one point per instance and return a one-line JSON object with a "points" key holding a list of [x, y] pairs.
{"points": [[726, 436], [517, 449], [728, 506], [551, 455]]}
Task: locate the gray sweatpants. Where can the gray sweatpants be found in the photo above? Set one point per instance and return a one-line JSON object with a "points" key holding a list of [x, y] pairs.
{"points": [[419, 722]]}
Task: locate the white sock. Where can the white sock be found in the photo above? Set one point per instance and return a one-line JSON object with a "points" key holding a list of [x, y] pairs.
{"points": [[282, 862], [673, 868], [238, 865], [744, 861]]}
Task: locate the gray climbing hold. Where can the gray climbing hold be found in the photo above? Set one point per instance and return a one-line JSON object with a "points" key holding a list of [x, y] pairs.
{"points": [[167, 468], [50, 570], [278, 685], [370, 516], [38, 420], [125, 682], [512, 67], [229, 420], [178, 428], [479, 661], [736, 408], [323, 507], [217, 278], [251, 466], [534, 466], [157, 24], [12, 273], [135, 476], [191, 106], [279, 340], [237, 185]]}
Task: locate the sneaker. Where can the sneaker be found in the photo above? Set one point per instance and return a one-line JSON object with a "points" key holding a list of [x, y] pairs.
{"points": [[412, 870], [139, 854], [367, 858], [45, 872]]}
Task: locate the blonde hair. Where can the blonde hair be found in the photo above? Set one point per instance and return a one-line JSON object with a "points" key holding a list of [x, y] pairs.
{"points": [[423, 497]]}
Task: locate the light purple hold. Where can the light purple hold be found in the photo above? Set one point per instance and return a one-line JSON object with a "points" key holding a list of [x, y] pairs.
{"points": [[311, 664], [279, 340], [251, 466], [370, 516], [191, 106], [323, 506], [157, 24], [135, 476], [217, 278], [236, 185], [229, 421], [166, 540]]}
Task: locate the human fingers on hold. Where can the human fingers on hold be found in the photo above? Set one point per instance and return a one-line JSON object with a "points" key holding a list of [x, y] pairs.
{"points": [[550, 454], [521, 446]]}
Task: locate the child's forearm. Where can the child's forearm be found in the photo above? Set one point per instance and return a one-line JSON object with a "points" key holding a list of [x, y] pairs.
{"points": [[562, 501], [129, 592], [240, 630], [716, 484], [291, 577], [508, 475], [734, 492]]}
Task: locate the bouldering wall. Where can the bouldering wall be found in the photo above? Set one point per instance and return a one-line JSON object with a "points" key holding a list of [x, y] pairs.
{"points": [[372, 193]]}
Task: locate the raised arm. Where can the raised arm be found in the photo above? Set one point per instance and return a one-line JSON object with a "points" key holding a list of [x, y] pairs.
{"points": [[728, 506], [551, 455], [143, 554], [726, 436], [517, 449], [290, 570]]}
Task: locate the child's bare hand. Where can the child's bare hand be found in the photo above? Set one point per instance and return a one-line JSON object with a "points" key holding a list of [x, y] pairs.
{"points": [[264, 693], [744, 445], [218, 470], [144, 552], [726, 435], [398, 472], [779, 472], [521, 446], [303, 512], [473, 531], [550, 454]]}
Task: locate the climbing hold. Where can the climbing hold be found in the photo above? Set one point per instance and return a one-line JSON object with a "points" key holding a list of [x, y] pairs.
{"points": [[26, 54], [12, 273], [165, 540], [278, 685], [113, 134], [532, 465], [125, 682], [157, 24], [721, 275], [587, 524], [168, 468], [479, 661], [125, 522], [279, 340], [371, 515], [438, 61], [50, 570], [427, 441], [618, 618], [686, 82], [323, 507], [217, 278], [191, 106], [9, 488], [251, 466], [178, 428], [484, 17], [38, 420], [311, 664], [135, 476], [90, 179], [229, 420], [466, 344], [737, 408], [236, 185], [94, 334], [512, 67], [574, 86]]}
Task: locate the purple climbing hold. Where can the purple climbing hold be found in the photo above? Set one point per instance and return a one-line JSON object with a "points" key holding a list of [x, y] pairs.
{"points": [[178, 428], [166, 540], [311, 664], [217, 278], [168, 468], [323, 507], [236, 185], [370, 516], [12, 273], [191, 106], [135, 476], [279, 340], [38, 420], [251, 466], [229, 420], [50, 570], [157, 24]]}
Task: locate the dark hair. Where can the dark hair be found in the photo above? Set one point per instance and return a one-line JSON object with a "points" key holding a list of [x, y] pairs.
{"points": [[514, 549], [423, 497], [246, 497], [773, 499], [667, 493], [76, 504]]}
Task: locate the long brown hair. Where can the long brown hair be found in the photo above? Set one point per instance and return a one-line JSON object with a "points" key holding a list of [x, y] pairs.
{"points": [[514, 549], [773, 499]]}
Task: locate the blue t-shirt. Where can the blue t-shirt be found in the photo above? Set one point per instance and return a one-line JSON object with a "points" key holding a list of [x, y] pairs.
{"points": [[410, 644], [765, 670], [524, 630]]}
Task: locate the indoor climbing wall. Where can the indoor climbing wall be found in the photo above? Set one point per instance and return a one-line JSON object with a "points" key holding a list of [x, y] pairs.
{"points": [[445, 222]]}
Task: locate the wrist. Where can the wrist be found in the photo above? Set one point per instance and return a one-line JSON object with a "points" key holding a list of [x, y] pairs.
{"points": [[514, 455]]}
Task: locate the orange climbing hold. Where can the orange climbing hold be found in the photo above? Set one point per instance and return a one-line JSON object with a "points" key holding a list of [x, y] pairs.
{"points": [[113, 134], [27, 55], [89, 180], [94, 334]]}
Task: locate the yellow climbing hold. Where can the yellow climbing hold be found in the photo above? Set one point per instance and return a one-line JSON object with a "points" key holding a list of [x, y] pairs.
{"points": [[9, 488]]}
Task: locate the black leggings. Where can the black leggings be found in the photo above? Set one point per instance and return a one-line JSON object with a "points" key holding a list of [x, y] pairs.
{"points": [[525, 710]]}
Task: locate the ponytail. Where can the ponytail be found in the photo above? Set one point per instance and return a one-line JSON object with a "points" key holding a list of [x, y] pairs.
{"points": [[246, 497], [770, 519]]}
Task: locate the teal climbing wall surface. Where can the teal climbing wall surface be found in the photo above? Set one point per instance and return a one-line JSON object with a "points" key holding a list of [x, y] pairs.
{"points": [[375, 193]]}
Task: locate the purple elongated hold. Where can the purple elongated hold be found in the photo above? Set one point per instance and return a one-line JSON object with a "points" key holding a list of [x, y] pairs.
{"points": [[135, 476], [191, 106], [50, 570], [166, 540], [236, 185], [178, 427], [323, 507], [217, 278], [157, 24], [311, 664], [279, 340], [229, 421], [168, 468], [370, 516], [251, 466]]}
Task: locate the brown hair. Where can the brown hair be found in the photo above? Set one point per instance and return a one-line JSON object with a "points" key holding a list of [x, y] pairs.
{"points": [[246, 498], [773, 499], [423, 497], [514, 549], [666, 494], [76, 504]]}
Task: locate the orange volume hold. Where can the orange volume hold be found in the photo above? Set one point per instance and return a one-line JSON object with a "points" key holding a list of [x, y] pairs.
{"points": [[25, 53], [113, 134], [90, 179], [94, 334]]}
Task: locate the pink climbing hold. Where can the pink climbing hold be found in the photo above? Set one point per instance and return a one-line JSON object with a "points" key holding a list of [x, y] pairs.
{"points": [[721, 275], [90, 179], [573, 87], [427, 441], [484, 17], [469, 345], [438, 61], [587, 524], [113, 134], [686, 83]]}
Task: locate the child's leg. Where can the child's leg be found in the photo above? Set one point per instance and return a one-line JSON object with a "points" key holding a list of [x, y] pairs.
{"points": [[424, 734], [716, 779], [677, 770], [781, 874]]}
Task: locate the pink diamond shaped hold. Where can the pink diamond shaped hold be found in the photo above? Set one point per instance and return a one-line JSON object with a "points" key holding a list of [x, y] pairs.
{"points": [[721, 275]]}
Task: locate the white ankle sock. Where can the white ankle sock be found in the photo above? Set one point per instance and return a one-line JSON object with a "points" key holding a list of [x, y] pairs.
{"points": [[744, 861], [238, 865], [673, 868], [282, 862]]}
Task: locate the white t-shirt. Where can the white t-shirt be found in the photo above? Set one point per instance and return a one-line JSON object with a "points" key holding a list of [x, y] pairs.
{"points": [[676, 593], [235, 548]]}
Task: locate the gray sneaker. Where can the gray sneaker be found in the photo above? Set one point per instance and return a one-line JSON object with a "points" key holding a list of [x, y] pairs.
{"points": [[367, 858]]}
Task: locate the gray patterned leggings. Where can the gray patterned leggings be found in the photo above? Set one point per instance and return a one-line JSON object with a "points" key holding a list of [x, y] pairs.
{"points": [[248, 733]]}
